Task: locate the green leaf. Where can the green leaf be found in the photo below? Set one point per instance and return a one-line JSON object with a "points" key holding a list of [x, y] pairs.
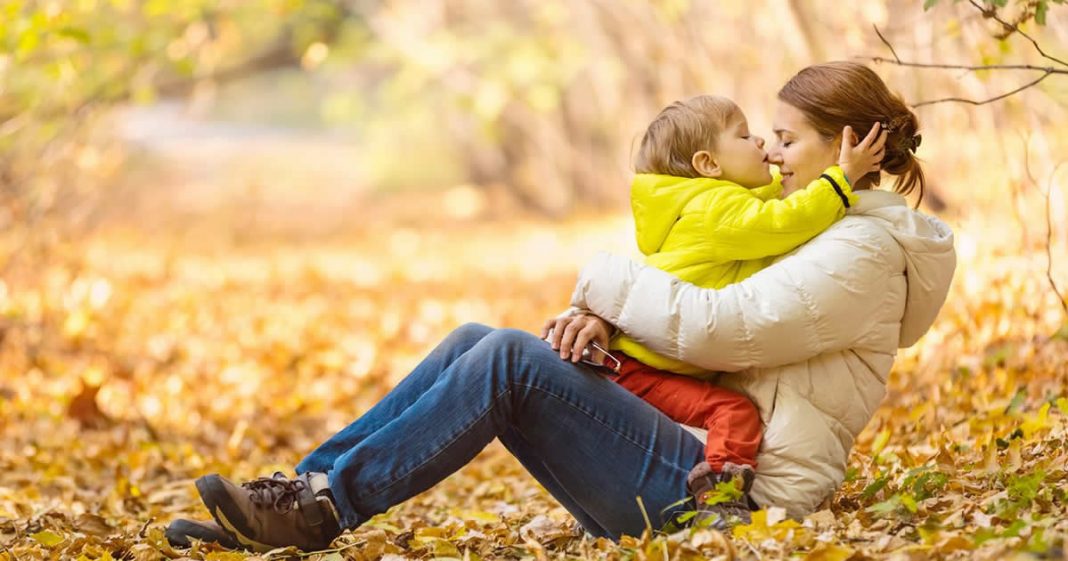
{"points": [[926, 482], [983, 535], [880, 442], [1037, 542], [48, 538], [724, 492], [1025, 488], [79, 35], [874, 487], [1017, 402], [1040, 13], [928, 4], [1014, 529], [885, 507], [684, 517]]}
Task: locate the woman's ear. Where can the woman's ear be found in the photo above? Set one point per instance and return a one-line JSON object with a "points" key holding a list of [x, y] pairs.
{"points": [[705, 164]]}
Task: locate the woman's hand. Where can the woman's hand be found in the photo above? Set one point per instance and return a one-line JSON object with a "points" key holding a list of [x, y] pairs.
{"points": [[571, 334]]}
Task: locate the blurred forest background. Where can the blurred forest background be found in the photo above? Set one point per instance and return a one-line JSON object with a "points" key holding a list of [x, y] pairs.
{"points": [[229, 227]]}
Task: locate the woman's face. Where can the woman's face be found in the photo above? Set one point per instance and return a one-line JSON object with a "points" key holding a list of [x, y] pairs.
{"points": [[799, 151]]}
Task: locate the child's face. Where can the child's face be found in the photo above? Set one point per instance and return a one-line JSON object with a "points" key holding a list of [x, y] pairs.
{"points": [[741, 155]]}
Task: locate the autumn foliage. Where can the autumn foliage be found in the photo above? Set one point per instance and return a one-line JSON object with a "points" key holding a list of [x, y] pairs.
{"points": [[132, 366], [155, 326]]}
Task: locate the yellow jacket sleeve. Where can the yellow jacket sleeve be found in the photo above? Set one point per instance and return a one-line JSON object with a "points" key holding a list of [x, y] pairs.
{"points": [[745, 227], [770, 191]]}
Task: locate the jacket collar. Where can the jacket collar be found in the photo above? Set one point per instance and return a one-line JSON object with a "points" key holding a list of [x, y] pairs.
{"points": [[871, 199]]}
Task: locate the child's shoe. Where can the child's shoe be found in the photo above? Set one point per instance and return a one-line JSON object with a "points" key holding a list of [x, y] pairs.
{"points": [[717, 508]]}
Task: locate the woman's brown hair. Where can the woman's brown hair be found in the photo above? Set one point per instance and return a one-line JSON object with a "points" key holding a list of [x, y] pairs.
{"points": [[836, 94]]}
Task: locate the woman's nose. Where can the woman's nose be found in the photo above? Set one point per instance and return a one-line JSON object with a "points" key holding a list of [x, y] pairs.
{"points": [[775, 156]]}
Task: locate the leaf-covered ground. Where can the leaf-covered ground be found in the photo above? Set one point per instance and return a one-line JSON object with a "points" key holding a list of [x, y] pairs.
{"points": [[130, 366]]}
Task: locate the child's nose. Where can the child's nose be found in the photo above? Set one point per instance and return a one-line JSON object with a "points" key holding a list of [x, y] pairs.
{"points": [[760, 141]]}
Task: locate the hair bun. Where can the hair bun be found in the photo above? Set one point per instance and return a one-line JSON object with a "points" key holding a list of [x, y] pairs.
{"points": [[901, 131]]}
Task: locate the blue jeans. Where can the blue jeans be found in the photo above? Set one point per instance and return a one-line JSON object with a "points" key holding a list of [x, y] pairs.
{"points": [[592, 444]]}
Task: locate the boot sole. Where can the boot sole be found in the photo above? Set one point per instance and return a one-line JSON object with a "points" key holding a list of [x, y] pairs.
{"points": [[182, 532], [213, 493]]}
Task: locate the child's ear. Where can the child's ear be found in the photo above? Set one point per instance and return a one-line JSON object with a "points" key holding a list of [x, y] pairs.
{"points": [[704, 163]]}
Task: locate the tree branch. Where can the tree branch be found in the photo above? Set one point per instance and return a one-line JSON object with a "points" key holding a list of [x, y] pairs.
{"points": [[1015, 28], [972, 68], [897, 59], [1049, 243], [985, 101], [1046, 71], [1049, 222]]}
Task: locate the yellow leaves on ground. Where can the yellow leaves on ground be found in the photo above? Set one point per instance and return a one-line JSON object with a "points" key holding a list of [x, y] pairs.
{"points": [[130, 367], [829, 552], [770, 524], [47, 538]]}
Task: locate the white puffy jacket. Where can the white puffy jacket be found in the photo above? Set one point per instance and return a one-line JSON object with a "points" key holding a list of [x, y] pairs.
{"points": [[810, 339]]}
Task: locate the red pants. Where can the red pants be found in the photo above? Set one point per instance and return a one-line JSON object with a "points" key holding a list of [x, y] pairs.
{"points": [[732, 421]]}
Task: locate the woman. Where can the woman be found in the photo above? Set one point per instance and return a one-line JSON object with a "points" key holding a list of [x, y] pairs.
{"points": [[810, 339]]}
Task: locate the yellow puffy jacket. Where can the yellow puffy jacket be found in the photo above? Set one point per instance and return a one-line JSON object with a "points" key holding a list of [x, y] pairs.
{"points": [[713, 233]]}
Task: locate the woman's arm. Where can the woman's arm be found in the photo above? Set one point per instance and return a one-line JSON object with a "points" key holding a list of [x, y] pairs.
{"points": [[819, 299]]}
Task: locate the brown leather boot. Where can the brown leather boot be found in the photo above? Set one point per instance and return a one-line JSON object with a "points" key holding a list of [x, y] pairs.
{"points": [[721, 507], [271, 512]]}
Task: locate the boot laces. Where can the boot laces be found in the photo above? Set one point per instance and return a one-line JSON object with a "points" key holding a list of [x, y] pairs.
{"points": [[280, 494]]}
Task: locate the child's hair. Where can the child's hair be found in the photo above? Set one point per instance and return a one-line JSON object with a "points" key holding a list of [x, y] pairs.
{"points": [[836, 94], [681, 130]]}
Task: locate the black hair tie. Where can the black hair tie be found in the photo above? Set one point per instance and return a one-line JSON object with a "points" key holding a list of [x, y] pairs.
{"points": [[914, 143]]}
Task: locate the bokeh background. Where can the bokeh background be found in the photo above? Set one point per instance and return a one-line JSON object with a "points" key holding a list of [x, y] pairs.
{"points": [[227, 228]]}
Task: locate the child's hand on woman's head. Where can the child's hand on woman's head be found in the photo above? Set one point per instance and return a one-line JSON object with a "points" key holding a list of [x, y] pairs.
{"points": [[858, 160], [570, 335]]}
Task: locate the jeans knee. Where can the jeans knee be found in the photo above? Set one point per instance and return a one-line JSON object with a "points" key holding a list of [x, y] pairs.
{"points": [[470, 332], [511, 351], [514, 341]]}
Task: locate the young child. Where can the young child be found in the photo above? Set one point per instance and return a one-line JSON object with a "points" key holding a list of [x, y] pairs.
{"points": [[707, 210]]}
